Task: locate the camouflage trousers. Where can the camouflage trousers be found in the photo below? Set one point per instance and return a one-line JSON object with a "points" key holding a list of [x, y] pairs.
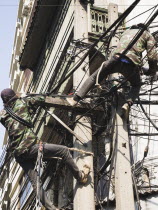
{"points": [[26, 161], [129, 70]]}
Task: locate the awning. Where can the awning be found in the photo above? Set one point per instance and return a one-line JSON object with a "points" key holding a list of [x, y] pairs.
{"points": [[44, 15]]}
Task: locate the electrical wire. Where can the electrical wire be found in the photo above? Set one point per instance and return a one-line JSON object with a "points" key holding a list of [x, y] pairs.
{"points": [[148, 90], [110, 171], [107, 163], [147, 114], [136, 37], [141, 14], [121, 17], [135, 186], [136, 191]]}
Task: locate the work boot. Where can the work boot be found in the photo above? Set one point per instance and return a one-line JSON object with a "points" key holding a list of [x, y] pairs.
{"points": [[71, 101], [84, 174], [125, 111]]}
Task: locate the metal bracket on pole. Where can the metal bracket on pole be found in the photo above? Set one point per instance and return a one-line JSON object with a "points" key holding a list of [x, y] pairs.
{"points": [[69, 129]]}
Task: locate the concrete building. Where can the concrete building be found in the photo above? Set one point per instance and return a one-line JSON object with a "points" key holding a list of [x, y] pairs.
{"points": [[49, 40]]}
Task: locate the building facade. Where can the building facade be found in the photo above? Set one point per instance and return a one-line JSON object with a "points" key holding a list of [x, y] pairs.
{"points": [[45, 51]]}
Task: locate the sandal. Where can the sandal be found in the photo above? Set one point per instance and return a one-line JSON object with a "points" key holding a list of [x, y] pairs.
{"points": [[84, 174]]}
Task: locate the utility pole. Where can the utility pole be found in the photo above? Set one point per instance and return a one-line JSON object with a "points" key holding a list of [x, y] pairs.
{"points": [[122, 165], [83, 195], [123, 176]]}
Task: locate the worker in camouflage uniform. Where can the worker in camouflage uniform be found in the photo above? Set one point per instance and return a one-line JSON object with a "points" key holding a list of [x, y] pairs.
{"points": [[128, 65], [23, 143]]}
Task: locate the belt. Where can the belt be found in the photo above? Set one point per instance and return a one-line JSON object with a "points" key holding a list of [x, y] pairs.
{"points": [[124, 60]]}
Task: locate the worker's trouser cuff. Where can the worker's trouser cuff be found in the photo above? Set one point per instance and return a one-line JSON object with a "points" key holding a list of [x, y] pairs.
{"points": [[77, 98]]}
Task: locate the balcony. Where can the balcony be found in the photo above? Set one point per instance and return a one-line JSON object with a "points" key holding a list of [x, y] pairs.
{"points": [[25, 192]]}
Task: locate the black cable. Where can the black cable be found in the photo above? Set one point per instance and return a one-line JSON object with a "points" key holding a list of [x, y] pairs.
{"points": [[112, 90], [88, 67], [109, 37], [136, 191], [17, 118], [140, 32], [112, 34], [141, 137], [141, 14], [107, 163], [129, 46], [152, 12], [117, 27], [147, 146], [148, 90], [137, 36], [147, 114], [112, 161], [120, 19]]}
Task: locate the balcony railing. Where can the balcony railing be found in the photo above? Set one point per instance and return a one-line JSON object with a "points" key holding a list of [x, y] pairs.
{"points": [[25, 191], [2, 158], [99, 20]]}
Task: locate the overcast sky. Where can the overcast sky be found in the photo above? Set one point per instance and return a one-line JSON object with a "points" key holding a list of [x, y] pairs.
{"points": [[142, 7], [8, 16]]}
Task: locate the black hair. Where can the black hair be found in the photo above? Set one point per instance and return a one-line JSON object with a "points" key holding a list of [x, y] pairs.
{"points": [[139, 26], [7, 94]]}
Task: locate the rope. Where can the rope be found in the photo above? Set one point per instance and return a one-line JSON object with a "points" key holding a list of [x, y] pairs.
{"points": [[97, 78]]}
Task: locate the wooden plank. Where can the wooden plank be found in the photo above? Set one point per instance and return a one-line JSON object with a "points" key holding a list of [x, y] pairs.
{"points": [[63, 104]]}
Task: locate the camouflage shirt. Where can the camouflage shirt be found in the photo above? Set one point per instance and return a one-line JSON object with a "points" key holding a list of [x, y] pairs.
{"points": [[21, 138], [145, 42]]}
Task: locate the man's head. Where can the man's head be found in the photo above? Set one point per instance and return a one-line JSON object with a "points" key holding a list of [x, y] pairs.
{"points": [[139, 26], [7, 94]]}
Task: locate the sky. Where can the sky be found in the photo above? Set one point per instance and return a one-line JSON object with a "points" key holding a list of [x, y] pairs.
{"points": [[140, 8], [8, 17]]}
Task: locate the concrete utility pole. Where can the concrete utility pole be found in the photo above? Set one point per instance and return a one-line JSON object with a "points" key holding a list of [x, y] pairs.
{"points": [[83, 195], [112, 16], [123, 177]]}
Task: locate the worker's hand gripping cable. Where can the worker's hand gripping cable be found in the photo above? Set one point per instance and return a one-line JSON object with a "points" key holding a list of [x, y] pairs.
{"points": [[39, 167]]}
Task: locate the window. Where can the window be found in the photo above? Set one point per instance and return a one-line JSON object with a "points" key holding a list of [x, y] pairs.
{"points": [[99, 20]]}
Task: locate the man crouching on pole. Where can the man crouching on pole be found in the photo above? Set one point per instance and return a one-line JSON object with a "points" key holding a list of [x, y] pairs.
{"points": [[24, 144]]}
